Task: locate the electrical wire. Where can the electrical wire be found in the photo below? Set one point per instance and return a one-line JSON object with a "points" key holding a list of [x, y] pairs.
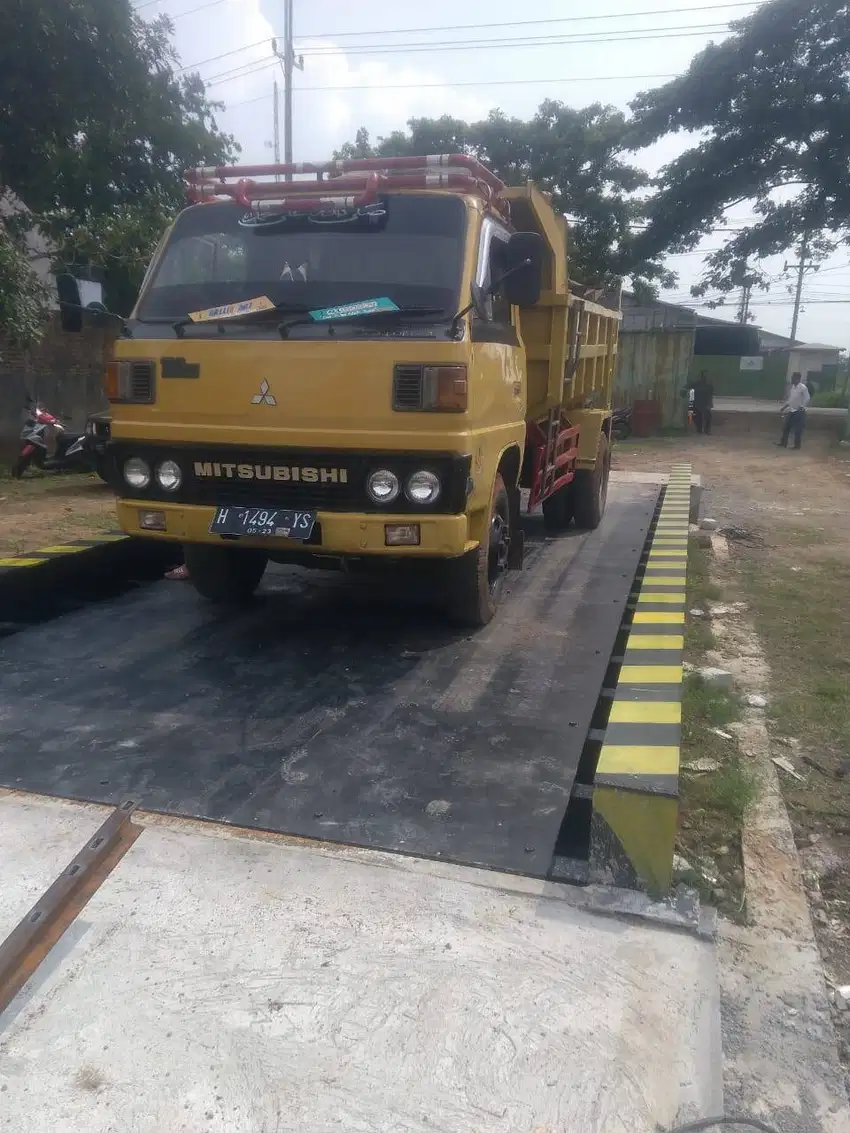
{"points": [[464, 83], [241, 72], [506, 45], [529, 23], [470, 27]]}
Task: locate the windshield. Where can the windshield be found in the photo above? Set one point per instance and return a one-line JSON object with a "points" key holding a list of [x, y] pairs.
{"points": [[413, 255]]}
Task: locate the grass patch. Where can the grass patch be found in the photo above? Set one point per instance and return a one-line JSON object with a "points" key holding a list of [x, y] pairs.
{"points": [[715, 788], [706, 706], [804, 620], [700, 592]]}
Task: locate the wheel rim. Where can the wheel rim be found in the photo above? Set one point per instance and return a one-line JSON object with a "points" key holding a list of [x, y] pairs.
{"points": [[497, 560]]}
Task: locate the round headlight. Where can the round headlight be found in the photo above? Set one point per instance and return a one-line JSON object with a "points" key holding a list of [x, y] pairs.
{"points": [[169, 476], [422, 488], [137, 473], [382, 486]]}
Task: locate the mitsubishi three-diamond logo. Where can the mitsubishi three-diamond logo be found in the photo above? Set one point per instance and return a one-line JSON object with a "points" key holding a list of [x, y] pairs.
{"points": [[264, 397]]}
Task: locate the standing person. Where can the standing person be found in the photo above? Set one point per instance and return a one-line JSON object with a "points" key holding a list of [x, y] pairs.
{"points": [[703, 403], [795, 412]]}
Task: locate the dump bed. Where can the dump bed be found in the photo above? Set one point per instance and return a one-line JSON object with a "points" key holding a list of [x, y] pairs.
{"points": [[570, 340]]}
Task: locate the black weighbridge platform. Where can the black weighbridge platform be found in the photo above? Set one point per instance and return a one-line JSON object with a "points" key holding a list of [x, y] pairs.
{"points": [[324, 712]]}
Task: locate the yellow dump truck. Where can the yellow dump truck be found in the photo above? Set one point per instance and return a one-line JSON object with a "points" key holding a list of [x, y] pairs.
{"points": [[363, 362]]}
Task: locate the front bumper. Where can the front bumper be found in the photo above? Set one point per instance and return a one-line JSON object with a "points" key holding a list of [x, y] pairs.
{"points": [[348, 534]]}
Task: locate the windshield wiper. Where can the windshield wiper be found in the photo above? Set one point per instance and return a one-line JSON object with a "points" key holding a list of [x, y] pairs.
{"points": [[391, 313], [278, 309]]}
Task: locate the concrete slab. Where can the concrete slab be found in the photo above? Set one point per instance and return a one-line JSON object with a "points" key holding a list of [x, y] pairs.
{"points": [[218, 982], [38, 838]]}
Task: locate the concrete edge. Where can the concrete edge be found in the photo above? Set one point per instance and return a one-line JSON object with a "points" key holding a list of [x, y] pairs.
{"points": [[780, 1047], [678, 911], [636, 784]]}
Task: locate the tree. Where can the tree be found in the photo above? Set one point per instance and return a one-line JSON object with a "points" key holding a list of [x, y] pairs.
{"points": [[96, 129], [576, 155], [769, 108], [23, 298]]}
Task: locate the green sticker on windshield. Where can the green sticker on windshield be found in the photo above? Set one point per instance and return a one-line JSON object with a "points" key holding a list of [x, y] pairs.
{"points": [[350, 310]]}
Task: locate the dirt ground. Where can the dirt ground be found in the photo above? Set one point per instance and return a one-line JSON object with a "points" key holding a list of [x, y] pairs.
{"points": [[787, 518], [40, 511]]}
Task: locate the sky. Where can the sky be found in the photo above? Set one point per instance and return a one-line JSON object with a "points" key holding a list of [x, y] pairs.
{"points": [[377, 65]]}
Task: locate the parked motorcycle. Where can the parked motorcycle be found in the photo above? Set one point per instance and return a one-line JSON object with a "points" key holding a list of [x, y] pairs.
{"points": [[97, 438], [48, 445], [621, 424]]}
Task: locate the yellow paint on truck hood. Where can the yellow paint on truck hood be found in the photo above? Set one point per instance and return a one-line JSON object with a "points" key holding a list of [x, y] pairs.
{"points": [[335, 393]]}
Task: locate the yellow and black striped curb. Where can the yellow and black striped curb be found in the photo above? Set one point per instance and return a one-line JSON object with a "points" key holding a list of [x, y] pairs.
{"points": [[47, 578], [15, 563], [636, 786]]}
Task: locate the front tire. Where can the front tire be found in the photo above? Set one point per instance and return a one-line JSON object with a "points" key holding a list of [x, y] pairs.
{"points": [[477, 580], [224, 575], [590, 489]]}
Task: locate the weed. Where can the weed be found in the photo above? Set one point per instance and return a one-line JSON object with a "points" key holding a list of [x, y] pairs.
{"points": [[732, 790]]}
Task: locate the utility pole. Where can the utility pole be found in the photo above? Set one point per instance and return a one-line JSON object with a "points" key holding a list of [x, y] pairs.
{"points": [[798, 296], [744, 309], [276, 127], [289, 63]]}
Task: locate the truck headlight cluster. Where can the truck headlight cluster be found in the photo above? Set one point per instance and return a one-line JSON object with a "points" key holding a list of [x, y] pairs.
{"points": [[138, 475], [422, 487]]}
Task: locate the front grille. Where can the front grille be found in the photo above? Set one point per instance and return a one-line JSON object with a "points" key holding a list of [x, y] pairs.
{"points": [[141, 381], [217, 475], [407, 387]]}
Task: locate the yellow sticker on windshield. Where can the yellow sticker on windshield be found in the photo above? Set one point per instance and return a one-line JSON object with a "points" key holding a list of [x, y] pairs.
{"points": [[231, 310]]}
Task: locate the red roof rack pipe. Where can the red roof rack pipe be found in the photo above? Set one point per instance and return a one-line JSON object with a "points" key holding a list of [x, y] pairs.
{"points": [[431, 163], [363, 176]]}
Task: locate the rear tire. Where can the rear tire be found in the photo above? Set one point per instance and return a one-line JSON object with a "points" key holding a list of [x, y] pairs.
{"points": [[558, 510], [20, 466], [590, 489], [477, 580], [224, 575]]}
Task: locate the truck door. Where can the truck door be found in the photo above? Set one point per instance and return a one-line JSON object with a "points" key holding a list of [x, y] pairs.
{"points": [[498, 355]]}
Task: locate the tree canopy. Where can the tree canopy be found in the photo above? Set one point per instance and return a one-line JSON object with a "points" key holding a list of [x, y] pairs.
{"points": [[769, 111], [96, 128], [576, 155]]}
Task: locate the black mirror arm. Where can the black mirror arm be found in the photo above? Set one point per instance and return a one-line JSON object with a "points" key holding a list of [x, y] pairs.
{"points": [[491, 289], [99, 309]]}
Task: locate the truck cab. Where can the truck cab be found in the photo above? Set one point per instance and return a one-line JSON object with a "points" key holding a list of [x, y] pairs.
{"points": [[334, 368]]}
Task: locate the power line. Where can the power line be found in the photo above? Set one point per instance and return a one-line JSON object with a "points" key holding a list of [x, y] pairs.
{"points": [[529, 23], [470, 27], [464, 83], [626, 35], [248, 69]]}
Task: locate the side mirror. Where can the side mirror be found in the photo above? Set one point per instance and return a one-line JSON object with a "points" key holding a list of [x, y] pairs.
{"points": [[70, 303], [76, 296], [524, 258]]}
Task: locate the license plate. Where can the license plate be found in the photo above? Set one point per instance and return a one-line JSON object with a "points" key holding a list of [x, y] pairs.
{"points": [[269, 522]]}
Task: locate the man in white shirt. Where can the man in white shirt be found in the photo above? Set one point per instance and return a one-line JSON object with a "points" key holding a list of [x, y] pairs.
{"points": [[795, 412]]}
